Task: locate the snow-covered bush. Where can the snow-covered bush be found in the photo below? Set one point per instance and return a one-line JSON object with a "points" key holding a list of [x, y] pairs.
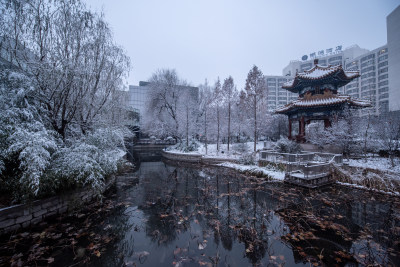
{"points": [[247, 159], [25, 143], [284, 145], [181, 146], [89, 160], [240, 147], [34, 160]]}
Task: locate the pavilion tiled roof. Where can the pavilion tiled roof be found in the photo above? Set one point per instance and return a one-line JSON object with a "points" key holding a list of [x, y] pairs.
{"points": [[323, 102], [321, 73]]}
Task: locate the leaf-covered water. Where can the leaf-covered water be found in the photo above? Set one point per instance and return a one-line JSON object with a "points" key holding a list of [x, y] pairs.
{"points": [[163, 215]]}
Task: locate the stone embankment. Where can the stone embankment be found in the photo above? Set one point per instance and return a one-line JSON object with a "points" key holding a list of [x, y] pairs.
{"points": [[194, 158], [20, 216]]}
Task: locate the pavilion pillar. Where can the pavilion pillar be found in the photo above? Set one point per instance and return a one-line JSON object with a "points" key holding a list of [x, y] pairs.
{"points": [[290, 129], [302, 127], [327, 123]]}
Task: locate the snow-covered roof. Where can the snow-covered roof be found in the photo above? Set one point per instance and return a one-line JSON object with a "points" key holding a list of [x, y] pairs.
{"points": [[318, 102], [319, 72]]}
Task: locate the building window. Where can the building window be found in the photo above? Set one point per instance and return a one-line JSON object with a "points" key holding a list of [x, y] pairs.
{"points": [[367, 69], [372, 80], [382, 64], [383, 83], [306, 66], [382, 96], [332, 59], [352, 66], [367, 58], [368, 63], [384, 90], [380, 71], [382, 77], [364, 76], [382, 58]]}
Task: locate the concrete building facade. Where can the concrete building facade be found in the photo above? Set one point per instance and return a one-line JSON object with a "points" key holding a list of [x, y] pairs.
{"points": [[393, 45]]}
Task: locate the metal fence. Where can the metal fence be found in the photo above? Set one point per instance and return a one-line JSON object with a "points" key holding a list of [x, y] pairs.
{"points": [[276, 157], [305, 166], [308, 171]]}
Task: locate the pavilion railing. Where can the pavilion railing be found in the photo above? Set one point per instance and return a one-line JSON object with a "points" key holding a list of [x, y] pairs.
{"points": [[276, 157], [306, 165]]}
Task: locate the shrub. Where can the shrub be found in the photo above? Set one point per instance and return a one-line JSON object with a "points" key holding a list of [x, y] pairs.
{"points": [[240, 147], [181, 146], [284, 145], [247, 159]]}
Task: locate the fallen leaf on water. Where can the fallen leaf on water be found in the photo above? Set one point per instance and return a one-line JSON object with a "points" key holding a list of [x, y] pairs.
{"points": [[177, 251], [97, 253]]}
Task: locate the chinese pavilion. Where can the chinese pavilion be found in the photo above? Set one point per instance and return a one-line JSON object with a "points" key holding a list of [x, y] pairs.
{"points": [[318, 97]]}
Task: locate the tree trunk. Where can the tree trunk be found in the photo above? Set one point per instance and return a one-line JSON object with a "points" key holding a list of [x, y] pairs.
{"points": [[217, 129], [205, 129], [187, 126], [229, 124], [255, 123]]}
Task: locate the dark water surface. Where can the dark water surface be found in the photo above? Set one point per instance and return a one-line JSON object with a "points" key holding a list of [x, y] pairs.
{"points": [[166, 215], [188, 216]]}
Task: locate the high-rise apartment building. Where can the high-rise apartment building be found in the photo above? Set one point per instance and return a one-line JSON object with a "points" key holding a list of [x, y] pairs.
{"points": [[393, 45], [277, 96], [374, 80]]}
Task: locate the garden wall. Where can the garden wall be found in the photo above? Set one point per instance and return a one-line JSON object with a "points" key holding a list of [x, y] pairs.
{"points": [[195, 158], [20, 216]]}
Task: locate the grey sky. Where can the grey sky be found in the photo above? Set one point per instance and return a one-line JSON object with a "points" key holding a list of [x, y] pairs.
{"points": [[210, 38]]}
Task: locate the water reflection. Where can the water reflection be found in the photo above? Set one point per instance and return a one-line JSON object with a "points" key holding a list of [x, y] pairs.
{"points": [[190, 216]]}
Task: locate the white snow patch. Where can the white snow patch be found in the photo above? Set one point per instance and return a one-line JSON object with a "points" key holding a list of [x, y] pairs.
{"points": [[274, 174], [369, 189]]}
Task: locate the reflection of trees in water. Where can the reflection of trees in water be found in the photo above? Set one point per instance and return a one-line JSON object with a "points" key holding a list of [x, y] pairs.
{"points": [[233, 208]]}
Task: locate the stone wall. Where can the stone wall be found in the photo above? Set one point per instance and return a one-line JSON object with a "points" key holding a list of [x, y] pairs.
{"points": [[194, 158], [20, 216]]}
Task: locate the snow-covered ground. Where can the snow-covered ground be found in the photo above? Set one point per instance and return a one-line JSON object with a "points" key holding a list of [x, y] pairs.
{"points": [[378, 163], [223, 151]]}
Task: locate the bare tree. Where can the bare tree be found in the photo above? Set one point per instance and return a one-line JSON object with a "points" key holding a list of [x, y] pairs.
{"points": [[229, 95], [255, 91], [389, 135], [217, 103], [205, 102]]}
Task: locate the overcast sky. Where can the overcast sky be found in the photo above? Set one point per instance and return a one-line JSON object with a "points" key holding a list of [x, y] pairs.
{"points": [[210, 38]]}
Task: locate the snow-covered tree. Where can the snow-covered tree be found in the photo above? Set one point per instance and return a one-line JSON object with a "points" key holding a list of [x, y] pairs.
{"points": [[57, 94], [255, 93], [229, 94], [205, 100], [165, 102], [389, 135], [217, 111], [69, 53]]}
